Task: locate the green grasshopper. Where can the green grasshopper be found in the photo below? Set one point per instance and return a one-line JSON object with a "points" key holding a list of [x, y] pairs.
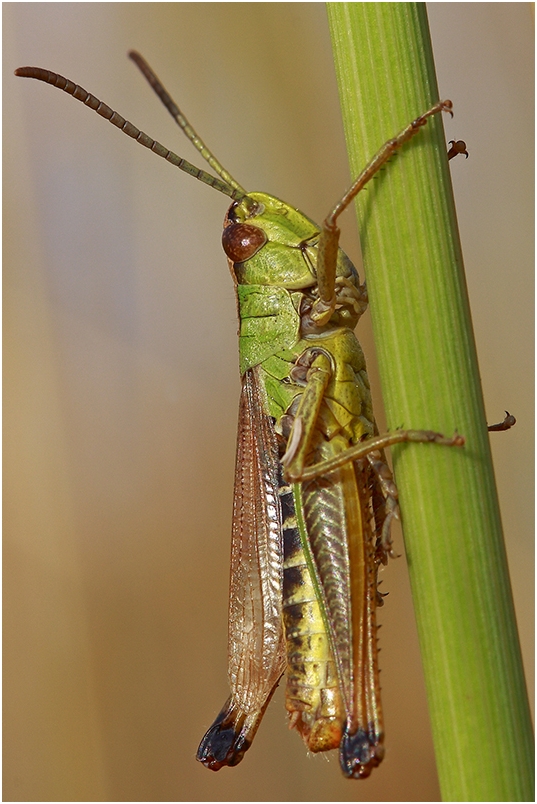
{"points": [[314, 497]]}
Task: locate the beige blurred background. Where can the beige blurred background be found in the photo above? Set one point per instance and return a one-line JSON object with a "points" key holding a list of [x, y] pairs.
{"points": [[121, 380]]}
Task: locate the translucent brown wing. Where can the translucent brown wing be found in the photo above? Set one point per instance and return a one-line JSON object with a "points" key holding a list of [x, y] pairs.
{"points": [[256, 651]]}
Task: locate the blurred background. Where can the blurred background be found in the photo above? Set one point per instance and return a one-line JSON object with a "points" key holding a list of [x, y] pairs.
{"points": [[121, 382]]}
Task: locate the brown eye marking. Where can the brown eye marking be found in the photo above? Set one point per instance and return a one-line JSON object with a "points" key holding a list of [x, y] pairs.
{"points": [[242, 240]]}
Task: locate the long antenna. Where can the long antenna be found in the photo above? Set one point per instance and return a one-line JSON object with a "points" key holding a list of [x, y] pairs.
{"points": [[234, 190], [182, 122]]}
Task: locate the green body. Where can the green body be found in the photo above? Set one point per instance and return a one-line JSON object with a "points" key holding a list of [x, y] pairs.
{"points": [[331, 542]]}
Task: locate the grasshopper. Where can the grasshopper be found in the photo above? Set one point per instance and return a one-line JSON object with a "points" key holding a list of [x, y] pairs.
{"points": [[314, 497]]}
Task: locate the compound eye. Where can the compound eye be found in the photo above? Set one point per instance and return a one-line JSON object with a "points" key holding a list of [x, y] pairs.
{"points": [[242, 240]]}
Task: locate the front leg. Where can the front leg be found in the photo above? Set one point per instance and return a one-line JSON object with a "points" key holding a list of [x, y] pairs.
{"points": [[329, 237]]}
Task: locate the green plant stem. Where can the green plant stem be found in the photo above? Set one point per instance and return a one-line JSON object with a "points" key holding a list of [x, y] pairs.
{"points": [[430, 379]]}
